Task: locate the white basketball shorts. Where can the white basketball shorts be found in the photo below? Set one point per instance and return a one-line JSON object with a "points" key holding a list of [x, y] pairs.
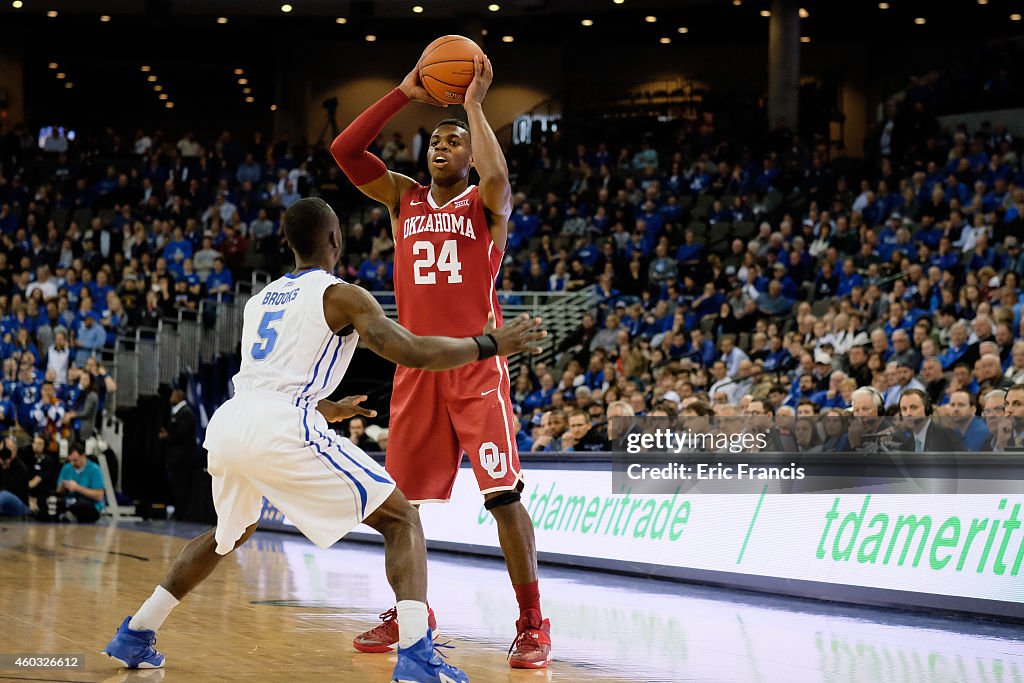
{"points": [[262, 444]]}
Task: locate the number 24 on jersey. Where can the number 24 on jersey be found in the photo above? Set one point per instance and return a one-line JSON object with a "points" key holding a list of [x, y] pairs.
{"points": [[447, 261]]}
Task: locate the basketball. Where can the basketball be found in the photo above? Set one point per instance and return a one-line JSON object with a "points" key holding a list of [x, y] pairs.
{"points": [[446, 68]]}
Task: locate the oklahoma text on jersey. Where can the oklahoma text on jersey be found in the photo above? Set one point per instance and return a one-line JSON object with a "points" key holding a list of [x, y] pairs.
{"points": [[439, 222]]}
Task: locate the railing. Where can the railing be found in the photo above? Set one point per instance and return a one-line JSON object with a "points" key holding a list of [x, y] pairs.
{"points": [[152, 356], [561, 312]]}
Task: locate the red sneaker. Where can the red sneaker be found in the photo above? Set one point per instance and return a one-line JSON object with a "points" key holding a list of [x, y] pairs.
{"points": [[532, 647], [383, 638]]}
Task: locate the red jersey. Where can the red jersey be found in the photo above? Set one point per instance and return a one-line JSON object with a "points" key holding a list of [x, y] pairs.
{"points": [[445, 264]]}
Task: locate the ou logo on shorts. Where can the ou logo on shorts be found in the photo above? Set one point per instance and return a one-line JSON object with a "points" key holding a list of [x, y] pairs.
{"points": [[493, 460]]}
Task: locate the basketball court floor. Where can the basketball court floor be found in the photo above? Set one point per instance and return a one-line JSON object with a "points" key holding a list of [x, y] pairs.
{"points": [[279, 609]]}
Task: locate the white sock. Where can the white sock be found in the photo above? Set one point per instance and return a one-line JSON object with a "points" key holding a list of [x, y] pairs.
{"points": [[412, 622], [151, 615]]}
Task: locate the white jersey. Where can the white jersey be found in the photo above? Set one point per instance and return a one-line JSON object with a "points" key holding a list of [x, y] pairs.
{"points": [[287, 346]]}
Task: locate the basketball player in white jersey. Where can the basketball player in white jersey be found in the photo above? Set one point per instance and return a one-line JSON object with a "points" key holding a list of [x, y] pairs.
{"points": [[272, 438]]}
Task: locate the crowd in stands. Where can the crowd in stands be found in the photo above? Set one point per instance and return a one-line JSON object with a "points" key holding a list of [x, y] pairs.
{"points": [[721, 272], [725, 277]]}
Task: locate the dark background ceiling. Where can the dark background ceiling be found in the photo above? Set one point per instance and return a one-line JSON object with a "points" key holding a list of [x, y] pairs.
{"points": [[194, 57]]}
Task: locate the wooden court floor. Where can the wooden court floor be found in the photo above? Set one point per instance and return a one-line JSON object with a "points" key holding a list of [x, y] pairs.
{"points": [[272, 611]]}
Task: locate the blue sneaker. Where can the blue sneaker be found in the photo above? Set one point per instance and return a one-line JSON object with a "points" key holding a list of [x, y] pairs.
{"points": [[421, 663], [134, 649]]}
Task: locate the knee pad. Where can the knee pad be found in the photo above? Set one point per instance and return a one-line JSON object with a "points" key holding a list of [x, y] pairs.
{"points": [[504, 498]]}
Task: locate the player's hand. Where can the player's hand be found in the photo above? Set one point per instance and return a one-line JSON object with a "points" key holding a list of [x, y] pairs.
{"points": [[412, 87], [1003, 432], [518, 336], [335, 411], [483, 74], [854, 431]]}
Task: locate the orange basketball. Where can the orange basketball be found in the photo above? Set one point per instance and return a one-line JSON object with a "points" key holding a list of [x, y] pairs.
{"points": [[446, 68]]}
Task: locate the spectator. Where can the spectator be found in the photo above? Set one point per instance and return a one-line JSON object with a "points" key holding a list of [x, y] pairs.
{"points": [[49, 417], [584, 437], [43, 469], [58, 356], [357, 435], [1015, 371], [8, 413], [773, 303], [552, 427], [84, 411], [382, 439], [903, 379], [220, 283], [1009, 435], [971, 429], [204, 260], [179, 438], [928, 437], [13, 481], [80, 487], [89, 338], [806, 436]]}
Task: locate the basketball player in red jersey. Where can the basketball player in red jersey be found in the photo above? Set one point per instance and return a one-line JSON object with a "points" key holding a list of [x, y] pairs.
{"points": [[449, 242]]}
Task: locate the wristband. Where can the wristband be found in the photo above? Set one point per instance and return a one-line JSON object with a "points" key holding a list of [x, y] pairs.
{"points": [[487, 346]]}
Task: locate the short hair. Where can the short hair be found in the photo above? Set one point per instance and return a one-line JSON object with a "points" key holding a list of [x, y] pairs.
{"points": [[971, 400], [77, 446], [925, 399], [808, 402], [872, 393], [304, 221], [627, 410], [995, 393], [701, 408], [455, 122]]}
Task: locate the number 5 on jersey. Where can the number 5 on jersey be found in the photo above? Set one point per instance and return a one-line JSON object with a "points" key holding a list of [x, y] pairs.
{"points": [[447, 261], [268, 335]]}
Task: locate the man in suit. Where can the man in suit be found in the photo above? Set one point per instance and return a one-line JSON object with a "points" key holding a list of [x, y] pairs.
{"points": [[780, 437], [1009, 435], [993, 411], [179, 439], [869, 432], [928, 437]]}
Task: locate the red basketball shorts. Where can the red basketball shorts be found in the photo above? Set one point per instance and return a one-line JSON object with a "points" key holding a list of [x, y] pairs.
{"points": [[436, 416]]}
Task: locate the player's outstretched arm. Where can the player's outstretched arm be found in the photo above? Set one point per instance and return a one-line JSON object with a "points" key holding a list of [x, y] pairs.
{"points": [[346, 305], [495, 190], [365, 170]]}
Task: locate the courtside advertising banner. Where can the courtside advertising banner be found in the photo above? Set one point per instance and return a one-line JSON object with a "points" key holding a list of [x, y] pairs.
{"points": [[960, 546]]}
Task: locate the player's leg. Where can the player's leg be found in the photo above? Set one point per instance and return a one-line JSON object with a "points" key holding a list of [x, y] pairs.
{"points": [[517, 538], [405, 563], [423, 458], [328, 491], [481, 410], [194, 563], [133, 644], [238, 503]]}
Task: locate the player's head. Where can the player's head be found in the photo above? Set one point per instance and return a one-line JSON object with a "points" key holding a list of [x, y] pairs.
{"points": [[450, 154], [313, 232]]}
